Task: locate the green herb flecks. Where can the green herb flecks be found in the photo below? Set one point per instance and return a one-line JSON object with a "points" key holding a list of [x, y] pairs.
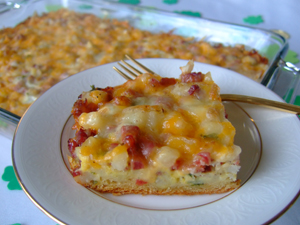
{"points": [[194, 184], [93, 88]]}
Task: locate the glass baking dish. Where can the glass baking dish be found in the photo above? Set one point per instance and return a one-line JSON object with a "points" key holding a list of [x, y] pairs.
{"points": [[267, 43]]}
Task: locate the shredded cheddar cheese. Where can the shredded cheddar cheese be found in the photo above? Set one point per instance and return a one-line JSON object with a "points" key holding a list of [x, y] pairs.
{"points": [[171, 133], [45, 49]]}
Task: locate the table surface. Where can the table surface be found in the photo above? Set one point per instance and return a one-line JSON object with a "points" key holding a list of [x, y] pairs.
{"points": [[16, 207]]}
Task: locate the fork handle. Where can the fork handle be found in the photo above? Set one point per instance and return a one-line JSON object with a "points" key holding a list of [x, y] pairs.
{"points": [[263, 102]]}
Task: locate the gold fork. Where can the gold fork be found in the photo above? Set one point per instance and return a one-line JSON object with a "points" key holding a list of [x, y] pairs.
{"points": [[225, 97]]}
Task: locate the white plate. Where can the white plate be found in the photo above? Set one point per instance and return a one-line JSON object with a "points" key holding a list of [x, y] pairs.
{"points": [[247, 137], [39, 148]]}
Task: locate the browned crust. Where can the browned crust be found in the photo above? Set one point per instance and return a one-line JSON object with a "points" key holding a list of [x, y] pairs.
{"points": [[148, 190]]}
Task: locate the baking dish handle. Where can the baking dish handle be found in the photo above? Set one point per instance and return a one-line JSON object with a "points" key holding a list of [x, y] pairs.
{"points": [[293, 87], [289, 66], [8, 5], [4, 7]]}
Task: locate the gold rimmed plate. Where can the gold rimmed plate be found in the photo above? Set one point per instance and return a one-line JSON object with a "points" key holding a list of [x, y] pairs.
{"points": [[39, 159], [247, 137]]}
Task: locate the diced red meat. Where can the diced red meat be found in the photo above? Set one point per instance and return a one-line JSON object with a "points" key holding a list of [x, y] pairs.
{"points": [[203, 158], [122, 101], [146, 145], [79, 138], [164, 100], [258, 57], [88, 133], [131, 93], [201, 162], [192, 77], [136, 165], [140, 182], [75, 173], [177, 165], [129, 130], [226, 115], [165, 81], [154, 83], [137, 160], [82, 106], [207, 169], [72, 144], [253, 52], [109, 91], [139, 147], [196, 92], [218, 46], [194, 89], [130, 142], [130, 137], [159, 173]]}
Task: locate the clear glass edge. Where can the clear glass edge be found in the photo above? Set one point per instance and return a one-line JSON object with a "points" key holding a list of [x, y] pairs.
{"points": [[268, 80], [289, 71]]}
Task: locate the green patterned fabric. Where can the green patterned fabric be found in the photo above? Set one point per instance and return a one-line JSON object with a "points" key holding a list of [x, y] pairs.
{"points": [[253, 20], [190, 13], [9, 175], [132, 2], [170, 1]]}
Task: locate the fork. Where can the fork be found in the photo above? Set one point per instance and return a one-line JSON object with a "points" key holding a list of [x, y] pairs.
{"points": [[134, 72]]}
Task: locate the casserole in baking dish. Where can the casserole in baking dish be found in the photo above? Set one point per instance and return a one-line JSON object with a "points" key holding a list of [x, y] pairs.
{"points": [[43, 42]]}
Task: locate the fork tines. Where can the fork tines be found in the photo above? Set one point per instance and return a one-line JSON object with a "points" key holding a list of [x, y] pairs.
{"points": [[130, 69]]}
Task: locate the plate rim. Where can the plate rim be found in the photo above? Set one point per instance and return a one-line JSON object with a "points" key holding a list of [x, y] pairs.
{"points": [[260, 152], [31, 197]]}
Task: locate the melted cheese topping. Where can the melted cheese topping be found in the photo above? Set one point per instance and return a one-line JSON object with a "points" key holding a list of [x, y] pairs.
{"points": [[146, 126], [32, 59]]}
